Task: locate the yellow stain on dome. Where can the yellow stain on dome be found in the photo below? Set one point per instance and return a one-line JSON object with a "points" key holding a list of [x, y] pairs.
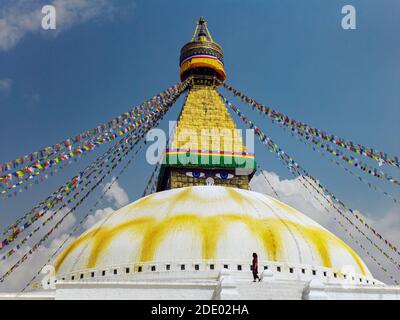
{"points": [[136, 227], [318, 239], [152, 201], [157, 233], [236, 196], [210, 229], [180, 197], [74, 245], [267, 231], [353, 254]]}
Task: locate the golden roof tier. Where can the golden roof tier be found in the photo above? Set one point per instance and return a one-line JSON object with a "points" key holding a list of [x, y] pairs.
{"points": [[206, 147], [202, 56]]}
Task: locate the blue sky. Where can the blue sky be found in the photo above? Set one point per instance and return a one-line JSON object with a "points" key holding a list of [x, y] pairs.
{"points": [[292, 55]]}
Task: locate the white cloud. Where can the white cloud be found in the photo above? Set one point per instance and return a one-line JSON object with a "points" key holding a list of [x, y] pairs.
{"points": [[97, 216], [5, 85], [116, 194], [390, 225], [25, 272], [28, 269], [21, 276], [293, 193], [21, 17]]}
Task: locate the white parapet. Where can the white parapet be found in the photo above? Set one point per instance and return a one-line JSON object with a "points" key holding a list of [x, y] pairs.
{"points": [[315, 290], [226, 288], [267, 275]]}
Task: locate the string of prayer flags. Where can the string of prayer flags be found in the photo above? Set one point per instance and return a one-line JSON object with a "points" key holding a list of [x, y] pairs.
{"points": [[294, 166], [357, 176], [84, 182], [118, 158], [380, 157], [90, 211], [13, 180], [97, 133], [345, 228], [348, 159], [109, 158], [108, 127], [35, 247]]}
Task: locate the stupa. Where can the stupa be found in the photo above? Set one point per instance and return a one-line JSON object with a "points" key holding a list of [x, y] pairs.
{"points": [[194, 237]]}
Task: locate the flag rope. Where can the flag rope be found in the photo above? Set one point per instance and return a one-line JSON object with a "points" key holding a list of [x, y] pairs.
{"points": [[82, 221], [47, 235], [107, 127], [66, 189], [348, 232], [380, 157], [343, 227], [129, 141], [292, 165], [157, 168], [352, 173], [269, 183], [16, 179]]}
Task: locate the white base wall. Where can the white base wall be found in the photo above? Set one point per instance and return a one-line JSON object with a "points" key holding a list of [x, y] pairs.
{"points": [[135, 291], [225, 285]]}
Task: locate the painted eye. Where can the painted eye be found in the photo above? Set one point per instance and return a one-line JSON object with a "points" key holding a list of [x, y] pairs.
{"points": [[195, 174], [224, 175]]}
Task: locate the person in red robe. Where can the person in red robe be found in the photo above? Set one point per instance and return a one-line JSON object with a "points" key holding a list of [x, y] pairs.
{"points": [[254, 267]]}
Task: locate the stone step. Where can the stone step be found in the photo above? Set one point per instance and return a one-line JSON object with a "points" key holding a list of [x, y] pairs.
{"points": [[271, 290]]}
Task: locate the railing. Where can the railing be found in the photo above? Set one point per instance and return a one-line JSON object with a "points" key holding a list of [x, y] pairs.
{"points": [[211, 268]]}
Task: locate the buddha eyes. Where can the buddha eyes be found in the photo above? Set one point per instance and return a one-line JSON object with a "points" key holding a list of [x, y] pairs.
{"points": [[195, 174], [199, 174], [224, 175]]}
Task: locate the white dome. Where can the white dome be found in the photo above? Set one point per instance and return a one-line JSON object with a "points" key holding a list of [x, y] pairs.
{"points": [[207, 223]]}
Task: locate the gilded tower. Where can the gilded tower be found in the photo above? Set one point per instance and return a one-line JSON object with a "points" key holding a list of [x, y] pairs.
{"points": [[206, 148]]}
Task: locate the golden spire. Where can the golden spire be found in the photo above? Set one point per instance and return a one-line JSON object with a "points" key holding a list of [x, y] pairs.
{"points": [[202, 31], [206, 147], [202, 57]]}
